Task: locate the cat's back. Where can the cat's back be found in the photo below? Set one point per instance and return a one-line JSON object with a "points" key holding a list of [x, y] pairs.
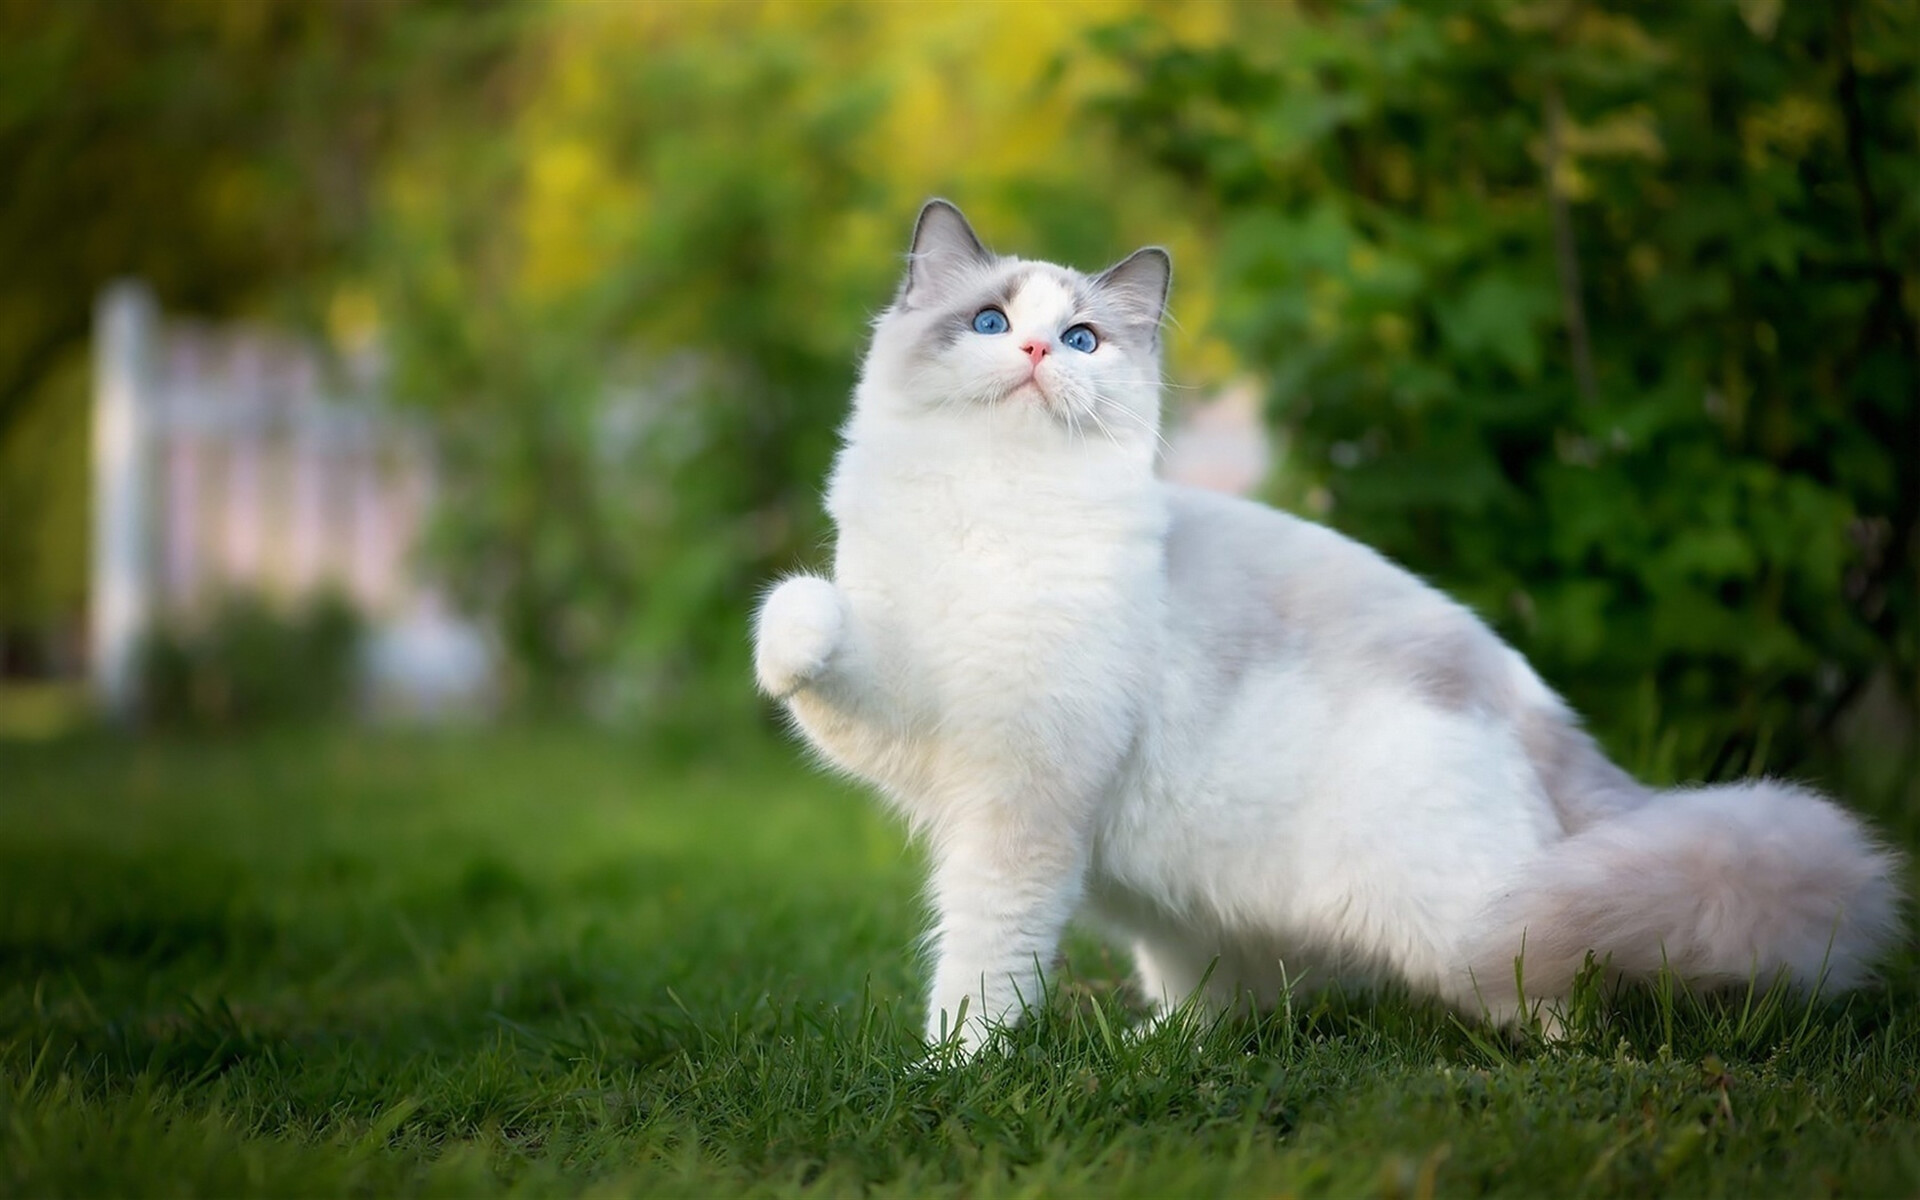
{"points": [[1249, 584], [1227, 550]]}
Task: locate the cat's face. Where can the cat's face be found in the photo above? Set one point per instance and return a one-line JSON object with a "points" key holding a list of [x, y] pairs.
{"points": [[977, 332]]}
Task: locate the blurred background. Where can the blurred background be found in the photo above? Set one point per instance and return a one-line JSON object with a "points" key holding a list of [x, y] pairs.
{"points": [[379, 361]]}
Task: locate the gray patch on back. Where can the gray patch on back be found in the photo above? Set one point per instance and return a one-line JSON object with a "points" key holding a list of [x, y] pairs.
{"points": [[1234, 639], [1581, 781], [1453, 669], [1353, 617]]}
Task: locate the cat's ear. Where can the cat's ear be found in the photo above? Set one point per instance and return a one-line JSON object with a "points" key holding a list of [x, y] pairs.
{"points": [[1138, 285], [944, 252]]}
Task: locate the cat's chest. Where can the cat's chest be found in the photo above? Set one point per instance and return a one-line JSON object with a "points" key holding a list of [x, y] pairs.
{"points": [[976, 549], [1018, 628]]}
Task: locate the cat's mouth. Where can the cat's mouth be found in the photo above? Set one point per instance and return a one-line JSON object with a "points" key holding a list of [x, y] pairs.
{"points": [[1031, 389]]}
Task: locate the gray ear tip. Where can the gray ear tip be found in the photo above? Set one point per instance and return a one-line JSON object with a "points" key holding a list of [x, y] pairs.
{"points": [[939, 207], [1159, 255], [943, 244], [1149, 263], [941, 221]]}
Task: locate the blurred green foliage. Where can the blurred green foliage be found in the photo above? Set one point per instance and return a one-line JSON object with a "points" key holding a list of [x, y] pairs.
{"points": [[638, 379], [251, 665], [226, 153], [1603, 316], [637, 283]]}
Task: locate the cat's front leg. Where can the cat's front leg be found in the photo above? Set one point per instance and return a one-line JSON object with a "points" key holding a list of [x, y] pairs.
{"points": [[812, 650], [800, 626], [1004, 892]]}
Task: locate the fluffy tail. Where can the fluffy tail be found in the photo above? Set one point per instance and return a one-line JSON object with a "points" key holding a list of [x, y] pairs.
{"points": [[1721, 884]]}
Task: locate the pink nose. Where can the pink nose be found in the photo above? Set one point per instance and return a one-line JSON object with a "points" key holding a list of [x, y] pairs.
{"points": [[1036, 350]]}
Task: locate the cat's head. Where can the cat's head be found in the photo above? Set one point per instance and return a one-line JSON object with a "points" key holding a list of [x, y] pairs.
{"points": [[978, 332]]}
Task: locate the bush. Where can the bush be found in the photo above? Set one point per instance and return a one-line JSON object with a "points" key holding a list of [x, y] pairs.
{"points": [[253, 665], [1604, 322]]}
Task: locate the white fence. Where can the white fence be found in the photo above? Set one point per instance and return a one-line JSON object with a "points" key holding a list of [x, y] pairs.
{"points": [[226, 460]]}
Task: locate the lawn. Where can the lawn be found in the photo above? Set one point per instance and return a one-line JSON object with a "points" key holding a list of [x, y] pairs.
{"points": [[555, 962]]}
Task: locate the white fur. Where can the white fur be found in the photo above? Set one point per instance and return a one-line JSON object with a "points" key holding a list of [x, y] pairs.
{"points": [[1225, 734]]}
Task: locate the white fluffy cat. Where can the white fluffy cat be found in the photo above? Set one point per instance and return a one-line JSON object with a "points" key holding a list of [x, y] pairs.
{"points": [[1237, 740]]}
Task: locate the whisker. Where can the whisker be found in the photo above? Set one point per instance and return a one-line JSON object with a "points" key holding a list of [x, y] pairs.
{"points": [[1181, 387], [993, 439], [1104, 428], [1139, 420], [1093, 412], [1073, 423]]}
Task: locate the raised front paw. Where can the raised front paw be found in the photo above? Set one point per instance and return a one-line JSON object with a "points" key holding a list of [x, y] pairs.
{"points": [[796, 633]]}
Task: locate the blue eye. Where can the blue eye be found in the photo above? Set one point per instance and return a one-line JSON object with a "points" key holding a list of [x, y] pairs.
{"points": [[1081, 338], [989, 320]]}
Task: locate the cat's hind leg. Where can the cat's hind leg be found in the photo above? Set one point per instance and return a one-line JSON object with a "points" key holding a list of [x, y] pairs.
{"points": [[1171, 972]]}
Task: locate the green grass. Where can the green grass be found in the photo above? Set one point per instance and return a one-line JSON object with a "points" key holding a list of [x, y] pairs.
{"points": [[555, 963]]}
